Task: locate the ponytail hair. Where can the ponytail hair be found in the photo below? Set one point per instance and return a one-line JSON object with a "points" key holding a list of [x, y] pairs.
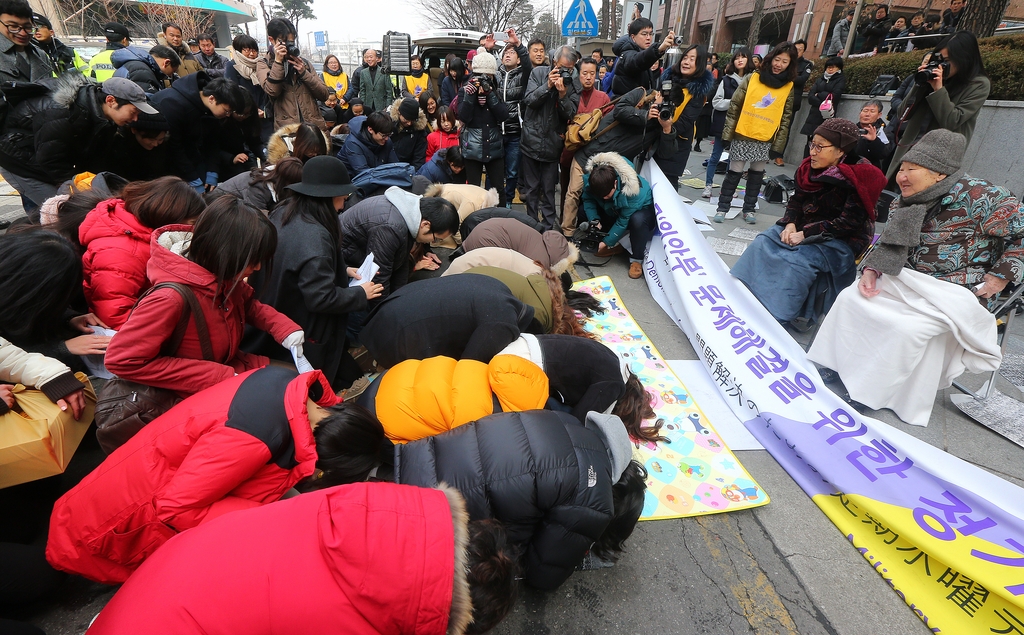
{"points": [[493, 573], [563, 318], [634, 407]]}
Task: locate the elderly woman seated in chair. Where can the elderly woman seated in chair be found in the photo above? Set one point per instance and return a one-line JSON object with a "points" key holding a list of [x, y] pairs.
{"points": [[798, 267], [919, 317]]}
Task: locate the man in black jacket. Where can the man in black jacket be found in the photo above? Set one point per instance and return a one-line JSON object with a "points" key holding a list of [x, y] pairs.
{"points": [[185, 104], [513, 73], [410, 134], [46, 140], [639, 130], [874, 143], [551, 100], [152, 71], [636, 57], [875, 30], [211, 61], [62, 56]]}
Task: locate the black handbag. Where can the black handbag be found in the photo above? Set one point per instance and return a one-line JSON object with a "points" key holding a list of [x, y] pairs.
{"points": [[883, 84], [124, 407]]}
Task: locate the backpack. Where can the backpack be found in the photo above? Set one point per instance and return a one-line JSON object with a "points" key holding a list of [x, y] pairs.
{"points": [[883, 84], [778, 189], [583, 127]]}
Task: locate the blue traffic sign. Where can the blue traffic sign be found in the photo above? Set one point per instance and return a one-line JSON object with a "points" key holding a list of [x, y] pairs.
{"points": [[320, 38], [580, 20]]}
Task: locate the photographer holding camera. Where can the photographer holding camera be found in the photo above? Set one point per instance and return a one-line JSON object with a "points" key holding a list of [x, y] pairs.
{"points": [[685, 89], [950, 89], [482, 112], [289, 80], [552, 97], [637, 54]]}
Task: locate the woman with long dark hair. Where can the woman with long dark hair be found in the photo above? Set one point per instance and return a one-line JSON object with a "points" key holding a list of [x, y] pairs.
{"points": [[691, 85], [229, 242], [454, 80], [40, 273], [737, 68], [758, 121], [116, 237], [951, 99], [430, 108], [309, 282]]}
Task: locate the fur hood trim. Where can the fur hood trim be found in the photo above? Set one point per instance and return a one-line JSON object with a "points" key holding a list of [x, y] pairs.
{"points": [[280, 144], [66, 87], [701, 86], [421, 122], [461, 615], [630, 182], [563, 265]]}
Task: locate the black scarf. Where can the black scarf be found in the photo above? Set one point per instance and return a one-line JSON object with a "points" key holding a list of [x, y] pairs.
{"points": [[770, 79]]}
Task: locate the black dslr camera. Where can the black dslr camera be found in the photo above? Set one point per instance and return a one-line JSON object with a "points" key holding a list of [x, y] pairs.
{"points": [[935, 62], [293, 49], [565, 74], [666, 108], [482, 83]]}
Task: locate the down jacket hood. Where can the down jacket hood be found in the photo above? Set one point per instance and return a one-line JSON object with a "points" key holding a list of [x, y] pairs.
{"points": [[114, 264], [629, 182], [623, 44], [279, 146], [408, 205], [122, 56], [421, 398], [421, 122]]}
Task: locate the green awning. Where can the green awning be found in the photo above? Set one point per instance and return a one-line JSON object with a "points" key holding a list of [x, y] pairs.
{"points": [[205, 5]]}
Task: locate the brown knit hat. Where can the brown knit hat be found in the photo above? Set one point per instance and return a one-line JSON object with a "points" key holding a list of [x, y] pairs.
{"points": [[839, 132]]}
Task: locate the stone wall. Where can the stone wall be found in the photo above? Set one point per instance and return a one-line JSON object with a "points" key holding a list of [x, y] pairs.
{"points": [[996, 151]]}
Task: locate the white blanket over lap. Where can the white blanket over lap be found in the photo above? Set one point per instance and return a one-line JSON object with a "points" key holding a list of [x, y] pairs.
{"points": [[915, 337]]}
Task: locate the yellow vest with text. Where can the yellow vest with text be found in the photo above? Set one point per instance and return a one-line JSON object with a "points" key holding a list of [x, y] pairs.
{"points": [[337, 83], [101, 67], [763, 107], [679, 112], [416, 86]]}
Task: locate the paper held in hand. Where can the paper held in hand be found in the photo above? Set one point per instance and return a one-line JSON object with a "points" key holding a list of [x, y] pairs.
{"points": [[301, 363], [367, 271]]}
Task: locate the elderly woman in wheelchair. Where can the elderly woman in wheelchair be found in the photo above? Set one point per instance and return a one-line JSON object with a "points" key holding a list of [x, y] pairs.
{"points": [[798, 267], [920, 314]]}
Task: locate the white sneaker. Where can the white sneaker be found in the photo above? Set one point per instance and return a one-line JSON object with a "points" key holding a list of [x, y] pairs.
{"points": [[707, 192]]}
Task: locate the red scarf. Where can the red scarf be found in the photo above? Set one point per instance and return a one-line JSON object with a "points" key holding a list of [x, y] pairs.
{"points": [[865, 178]]}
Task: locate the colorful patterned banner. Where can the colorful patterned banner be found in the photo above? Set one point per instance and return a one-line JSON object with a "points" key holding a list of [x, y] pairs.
{"points": [[694, 473], [947, 536]]}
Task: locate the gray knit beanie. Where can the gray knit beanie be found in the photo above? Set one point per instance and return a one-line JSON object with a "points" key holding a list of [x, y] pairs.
{"points": [[940, 150]]}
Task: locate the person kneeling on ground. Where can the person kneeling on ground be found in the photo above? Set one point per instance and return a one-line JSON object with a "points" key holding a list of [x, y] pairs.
{"points": [[576, 497], [543, 291], [950, 241], [798, 266], [242, 443], [550, 249], [371, 557], [617, 198]]}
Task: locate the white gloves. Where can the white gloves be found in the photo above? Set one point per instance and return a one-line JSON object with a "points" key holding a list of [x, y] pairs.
{"points": [[295, 340]]}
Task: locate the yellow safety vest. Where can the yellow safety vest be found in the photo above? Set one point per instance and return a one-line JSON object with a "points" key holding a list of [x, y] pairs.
{"points": [[101, 67], [417, 86], [679, 112], [763, 107], [337, 83]]}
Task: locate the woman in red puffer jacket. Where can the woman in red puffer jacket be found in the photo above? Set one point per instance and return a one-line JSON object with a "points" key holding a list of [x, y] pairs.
{"points": [[447, 133], [116, 236], [229, 242]]}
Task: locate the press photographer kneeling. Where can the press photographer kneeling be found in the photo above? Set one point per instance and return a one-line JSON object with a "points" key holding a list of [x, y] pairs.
{"points": [[617, 198]]}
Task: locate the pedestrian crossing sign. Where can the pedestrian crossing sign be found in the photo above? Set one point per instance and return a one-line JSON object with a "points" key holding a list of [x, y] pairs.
{"points": [[580, 20]]}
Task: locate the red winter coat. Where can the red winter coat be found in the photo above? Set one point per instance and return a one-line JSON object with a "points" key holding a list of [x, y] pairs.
{"points": [[114, 265], [240, 444], [134, 353], [439, 140], [361, 559]]}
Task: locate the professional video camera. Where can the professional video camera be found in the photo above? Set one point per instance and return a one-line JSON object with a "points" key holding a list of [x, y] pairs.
{"points": [[588, 237], [935, 62], [666, 108]]}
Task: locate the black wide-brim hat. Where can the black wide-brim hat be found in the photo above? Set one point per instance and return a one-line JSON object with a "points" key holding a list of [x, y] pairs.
{"points": [[324, 177]]}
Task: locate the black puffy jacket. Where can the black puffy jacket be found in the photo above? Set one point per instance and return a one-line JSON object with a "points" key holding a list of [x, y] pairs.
{"points": [[480, 138], [138, 66], [545, 476], [182, 105], [634, 66], [822, 88], [55, 136], [512, 86], [546, 116], [462, 317]]}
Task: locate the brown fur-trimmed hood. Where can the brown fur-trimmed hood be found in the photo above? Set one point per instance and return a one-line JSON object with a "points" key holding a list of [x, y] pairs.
{"points": [[627, 174], [462, 605], [279, 145], [421, 122]]}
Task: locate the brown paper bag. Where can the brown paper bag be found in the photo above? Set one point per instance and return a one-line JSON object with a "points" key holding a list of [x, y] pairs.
{"points": [[37, 438]]}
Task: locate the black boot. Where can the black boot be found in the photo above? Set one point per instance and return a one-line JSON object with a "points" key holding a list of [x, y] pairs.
{"points": [[732, 179], [750, 197]]}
